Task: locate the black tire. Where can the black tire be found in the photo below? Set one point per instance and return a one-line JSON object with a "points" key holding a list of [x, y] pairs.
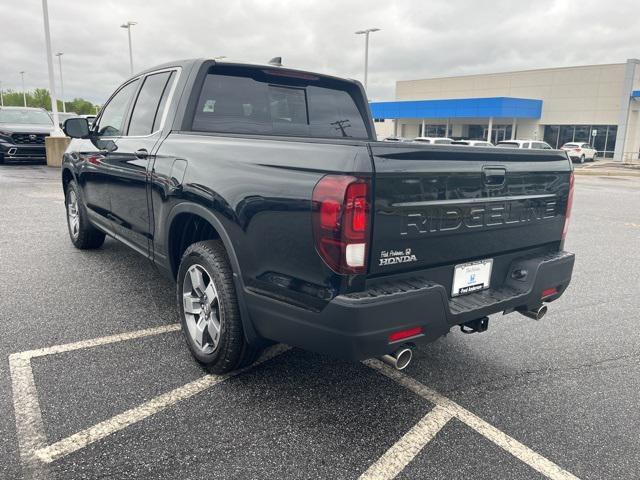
{"points": [[232, 350], [86, 236], [582, 158], [1, 159]]}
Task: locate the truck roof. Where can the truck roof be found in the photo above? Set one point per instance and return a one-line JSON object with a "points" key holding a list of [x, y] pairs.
{"points": [[191, 62]]}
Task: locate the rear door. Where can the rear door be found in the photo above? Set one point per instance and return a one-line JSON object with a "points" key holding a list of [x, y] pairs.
{"points": [[439, 205], [130, 163]]}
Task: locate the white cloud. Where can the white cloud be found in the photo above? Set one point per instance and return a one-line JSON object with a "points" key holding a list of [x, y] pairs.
{"points": [[419, 39]]}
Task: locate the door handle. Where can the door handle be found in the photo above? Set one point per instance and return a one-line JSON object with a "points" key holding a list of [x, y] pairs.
{"points": [[142, 153], [494, 176]]}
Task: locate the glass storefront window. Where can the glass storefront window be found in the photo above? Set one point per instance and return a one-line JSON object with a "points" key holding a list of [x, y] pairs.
{"points": [[582, 133], [611, 140], [475, 132], [566, 134], [433, 130], [599, 140], [551, 135], [604, 141]]}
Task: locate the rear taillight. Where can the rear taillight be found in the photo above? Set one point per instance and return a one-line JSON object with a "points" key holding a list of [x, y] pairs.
{"points": [[341, 222], [578, 150], [567, 214]]}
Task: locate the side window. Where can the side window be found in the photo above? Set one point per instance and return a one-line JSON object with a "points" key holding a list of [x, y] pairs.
{"points": [[150, 104], [526, 145], [112, 118]]}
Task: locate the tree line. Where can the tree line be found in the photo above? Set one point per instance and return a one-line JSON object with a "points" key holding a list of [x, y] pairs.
{"points": [[40, 98]]}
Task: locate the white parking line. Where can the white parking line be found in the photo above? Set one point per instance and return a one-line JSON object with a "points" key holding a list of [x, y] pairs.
{"points": [[35, 454], [29, 427], [85, 437], [522, 452], [404, 450]]}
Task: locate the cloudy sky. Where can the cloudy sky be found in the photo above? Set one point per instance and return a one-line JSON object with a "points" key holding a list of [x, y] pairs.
{"points": [[418, 39]]}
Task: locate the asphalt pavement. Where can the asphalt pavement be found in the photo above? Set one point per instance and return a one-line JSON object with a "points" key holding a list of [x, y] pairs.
{"points": [[556, 398]]}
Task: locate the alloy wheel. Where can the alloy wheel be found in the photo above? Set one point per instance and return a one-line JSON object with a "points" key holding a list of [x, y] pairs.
{"points": [[73, 214], [201, 308]]}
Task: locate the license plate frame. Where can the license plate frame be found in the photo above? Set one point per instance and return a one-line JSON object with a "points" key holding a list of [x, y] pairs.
{"points": [[471, 277]]}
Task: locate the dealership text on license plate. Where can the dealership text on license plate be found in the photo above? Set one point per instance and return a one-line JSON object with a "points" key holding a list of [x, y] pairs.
{"points": [[471, 277]]}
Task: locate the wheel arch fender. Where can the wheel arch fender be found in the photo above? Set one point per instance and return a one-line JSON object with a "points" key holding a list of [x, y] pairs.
{"points": [[206, 214], [66, 174]]}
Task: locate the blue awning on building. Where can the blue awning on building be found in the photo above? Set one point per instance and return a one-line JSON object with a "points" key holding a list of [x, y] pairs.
{"points": [[635, 94], [498, 107]]}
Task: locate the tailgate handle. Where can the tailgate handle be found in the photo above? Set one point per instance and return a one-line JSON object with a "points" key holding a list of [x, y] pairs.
{"points": [[494, 176]]}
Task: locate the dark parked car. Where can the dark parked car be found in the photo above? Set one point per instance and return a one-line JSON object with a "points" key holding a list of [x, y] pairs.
{"points": [[263, 193], [22, 133]]}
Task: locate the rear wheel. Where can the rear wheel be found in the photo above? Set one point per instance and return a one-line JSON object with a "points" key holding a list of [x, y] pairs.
{"points": [[208, 308], [83, 235]]}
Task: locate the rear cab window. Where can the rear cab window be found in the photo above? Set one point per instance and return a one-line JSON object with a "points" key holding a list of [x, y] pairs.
{"points": [[266, 101]]}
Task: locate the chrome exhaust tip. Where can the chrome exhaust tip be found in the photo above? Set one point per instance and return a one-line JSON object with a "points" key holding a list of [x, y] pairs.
{"points": [[536, 313], [400, 359]]}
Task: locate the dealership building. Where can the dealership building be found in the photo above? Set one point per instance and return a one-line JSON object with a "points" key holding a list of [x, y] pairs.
{"points": [[598, 104]]}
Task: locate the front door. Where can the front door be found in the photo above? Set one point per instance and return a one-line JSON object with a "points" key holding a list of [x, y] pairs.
{"points": [[94, 155], [497, 135]]}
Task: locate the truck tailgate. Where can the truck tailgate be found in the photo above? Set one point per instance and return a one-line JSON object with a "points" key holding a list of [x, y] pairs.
{"points": [[440, 204]]}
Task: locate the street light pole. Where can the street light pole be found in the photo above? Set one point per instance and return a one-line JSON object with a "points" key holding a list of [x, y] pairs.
{"points": [[64, 107], [24, 94], [52, 80], [366, 51], [1, 96], [128, 26]]}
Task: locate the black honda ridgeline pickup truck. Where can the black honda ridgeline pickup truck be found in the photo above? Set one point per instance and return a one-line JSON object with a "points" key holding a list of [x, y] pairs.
{"points": [[263, 193]]}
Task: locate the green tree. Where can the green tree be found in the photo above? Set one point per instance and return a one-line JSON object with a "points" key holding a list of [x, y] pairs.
{"points": [[40, 98], [81, 106]]}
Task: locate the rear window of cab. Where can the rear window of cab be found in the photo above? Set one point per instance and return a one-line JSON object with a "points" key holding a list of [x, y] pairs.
{"points": [[278, 102]]}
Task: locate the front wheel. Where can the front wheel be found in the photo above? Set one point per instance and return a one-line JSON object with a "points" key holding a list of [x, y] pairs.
{"points": [[208, 308], [582, 159], [83, 235]]}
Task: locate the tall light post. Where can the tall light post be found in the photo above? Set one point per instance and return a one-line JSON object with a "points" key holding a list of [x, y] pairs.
{"points": [[1, 96], [52, 81], [128, 26], [24, 94], [59, 55], [366, 51]]}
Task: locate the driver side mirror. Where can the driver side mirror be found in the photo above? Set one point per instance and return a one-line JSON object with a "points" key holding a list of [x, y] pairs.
{"points": [[76, 128]]}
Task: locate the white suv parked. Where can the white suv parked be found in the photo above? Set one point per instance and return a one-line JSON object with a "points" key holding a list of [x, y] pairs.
{"points": [[524, 144], [580, 151]]}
